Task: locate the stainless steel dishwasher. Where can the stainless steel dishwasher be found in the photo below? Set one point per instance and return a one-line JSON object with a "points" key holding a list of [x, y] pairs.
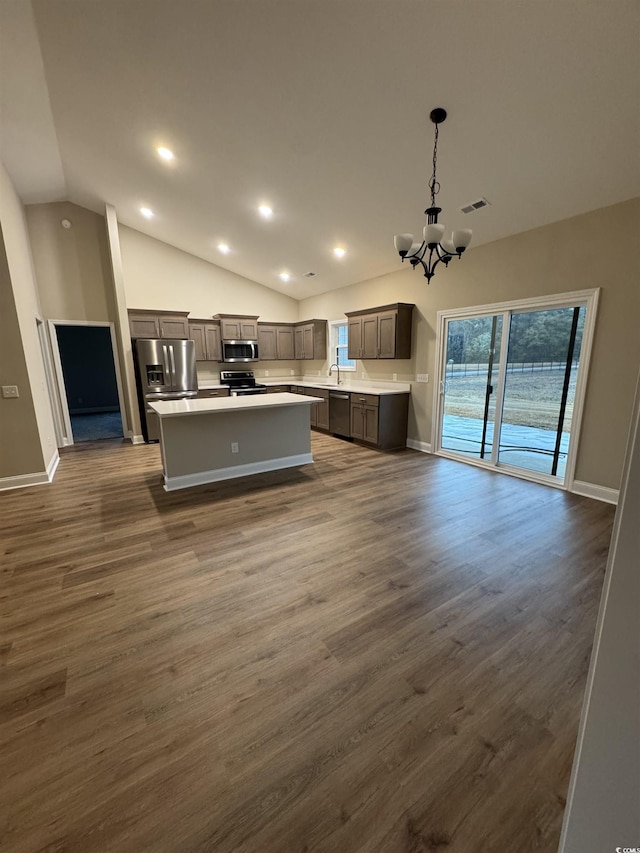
{"points": [[340, 413]]}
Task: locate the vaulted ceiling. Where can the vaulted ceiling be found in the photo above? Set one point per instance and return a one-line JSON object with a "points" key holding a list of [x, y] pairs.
{"points": [[319, 108]]}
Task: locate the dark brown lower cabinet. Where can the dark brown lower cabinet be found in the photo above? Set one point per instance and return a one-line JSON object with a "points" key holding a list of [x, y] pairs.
{"points": [[380, 420], [319, 411], [278, 389], [206, 393]]}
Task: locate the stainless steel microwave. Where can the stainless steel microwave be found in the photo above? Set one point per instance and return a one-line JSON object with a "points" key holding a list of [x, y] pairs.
{"points": [[239, 351]]}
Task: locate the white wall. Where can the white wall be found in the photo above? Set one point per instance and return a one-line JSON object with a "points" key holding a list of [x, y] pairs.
{"points": [[160, 276]]}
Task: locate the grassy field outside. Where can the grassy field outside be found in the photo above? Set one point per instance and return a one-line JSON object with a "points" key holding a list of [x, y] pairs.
{"points": [[532, 398]]}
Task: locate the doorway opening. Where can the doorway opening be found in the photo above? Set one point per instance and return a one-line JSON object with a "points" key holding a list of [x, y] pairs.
{"points": [[512, 382], [86, 366]]}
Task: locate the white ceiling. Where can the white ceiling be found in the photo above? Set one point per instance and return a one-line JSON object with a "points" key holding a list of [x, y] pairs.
{"points": [[320, 108]]}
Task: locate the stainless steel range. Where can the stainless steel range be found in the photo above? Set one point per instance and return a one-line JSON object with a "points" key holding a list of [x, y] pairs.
{"points": [[241, 382]]}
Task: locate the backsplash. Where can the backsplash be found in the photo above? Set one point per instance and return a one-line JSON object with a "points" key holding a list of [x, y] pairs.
{"points": [[209, 372]]}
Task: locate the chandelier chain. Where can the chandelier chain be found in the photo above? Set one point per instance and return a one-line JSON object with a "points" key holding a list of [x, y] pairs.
{"points": [[435, 248], [434, 185]]}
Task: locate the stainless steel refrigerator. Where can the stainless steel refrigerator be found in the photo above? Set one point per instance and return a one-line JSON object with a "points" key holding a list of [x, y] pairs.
{"points": [[165, 370]]}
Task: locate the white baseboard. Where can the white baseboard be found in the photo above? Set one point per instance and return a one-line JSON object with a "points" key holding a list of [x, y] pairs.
{"points": [[39, 478], [52, 467], [600, 493], [422, 446], [203, 477], [135, 439]]}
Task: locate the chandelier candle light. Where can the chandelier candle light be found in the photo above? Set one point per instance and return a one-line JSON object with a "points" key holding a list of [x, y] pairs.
{"points": [[434, 249]]}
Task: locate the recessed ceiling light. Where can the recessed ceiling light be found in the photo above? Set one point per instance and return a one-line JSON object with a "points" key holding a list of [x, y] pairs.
{"points": [[265, 211], [339, 252], [165, 153], [285, 276], [222, 247], [146, 212]]}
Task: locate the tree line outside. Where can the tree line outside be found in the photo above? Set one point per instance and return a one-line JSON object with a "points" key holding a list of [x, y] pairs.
{"points": [[537, 338]]}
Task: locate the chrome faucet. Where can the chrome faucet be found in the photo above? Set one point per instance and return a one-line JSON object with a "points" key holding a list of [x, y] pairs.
{"points": [[337, 368]]}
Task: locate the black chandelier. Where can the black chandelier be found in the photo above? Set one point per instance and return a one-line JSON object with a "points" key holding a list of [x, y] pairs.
{"points": [[434, 248]]}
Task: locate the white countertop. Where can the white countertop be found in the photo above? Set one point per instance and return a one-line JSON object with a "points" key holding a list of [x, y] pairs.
{"points": [[353, 387], [175, 408]]}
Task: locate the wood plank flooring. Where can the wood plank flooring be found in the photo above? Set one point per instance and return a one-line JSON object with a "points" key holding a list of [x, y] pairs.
{"points": [[379, 653]]}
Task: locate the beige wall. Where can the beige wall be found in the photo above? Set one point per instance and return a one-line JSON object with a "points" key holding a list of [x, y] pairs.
{"points": [[30, 446], [603, 810], [157, 275], [209, 372], [75, 283], [72, 264], [20, 449], [597, 249]]}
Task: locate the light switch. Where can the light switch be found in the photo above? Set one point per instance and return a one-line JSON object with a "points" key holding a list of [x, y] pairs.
{"points": [[10, 391]]}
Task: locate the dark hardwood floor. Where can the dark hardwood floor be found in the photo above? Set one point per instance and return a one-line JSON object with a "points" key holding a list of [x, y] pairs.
{"points": [[379, 653]]}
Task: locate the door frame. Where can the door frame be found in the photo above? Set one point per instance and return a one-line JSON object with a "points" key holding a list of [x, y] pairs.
{"points": [[63, 403], [52, 381], [588, 298]]}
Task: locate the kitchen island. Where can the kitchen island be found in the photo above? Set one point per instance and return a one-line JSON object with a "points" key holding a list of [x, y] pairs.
{"points": [[204, 441]]}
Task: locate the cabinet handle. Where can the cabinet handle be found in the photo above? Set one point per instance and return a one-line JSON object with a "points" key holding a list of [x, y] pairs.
{"points": [[162, 331]]}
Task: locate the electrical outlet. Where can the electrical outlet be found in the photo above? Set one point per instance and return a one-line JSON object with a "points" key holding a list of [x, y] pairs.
{"points": [[292, 372], [266, 373], [422, 377], [10, 391], [234, 446], [395, 377]]}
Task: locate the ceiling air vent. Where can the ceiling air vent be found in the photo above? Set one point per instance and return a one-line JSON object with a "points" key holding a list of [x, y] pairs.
{"points": [[309, 274], [475, 205]]}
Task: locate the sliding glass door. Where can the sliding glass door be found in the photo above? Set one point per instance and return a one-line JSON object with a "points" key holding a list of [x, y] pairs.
{"points": [[508, 386], [543, 357], [472, 365]]}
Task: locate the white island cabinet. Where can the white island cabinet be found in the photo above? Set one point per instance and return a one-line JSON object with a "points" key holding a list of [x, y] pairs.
{"points": [[203, 441]]}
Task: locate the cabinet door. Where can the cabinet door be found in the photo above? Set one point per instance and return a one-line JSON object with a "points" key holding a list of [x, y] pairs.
{"points": [[267, 343], [307, 342], [354, 337], [370, 424], [370, 336], [174, 327], [143, 326], [248, 330], [212, 341], [322, 413], [196, 333], [284, 344], [299, 343], [387, 334], [356, 421], [231, 330]]}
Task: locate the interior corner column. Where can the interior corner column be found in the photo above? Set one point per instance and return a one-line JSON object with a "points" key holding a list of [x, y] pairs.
{"points": [[122, 326]]}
